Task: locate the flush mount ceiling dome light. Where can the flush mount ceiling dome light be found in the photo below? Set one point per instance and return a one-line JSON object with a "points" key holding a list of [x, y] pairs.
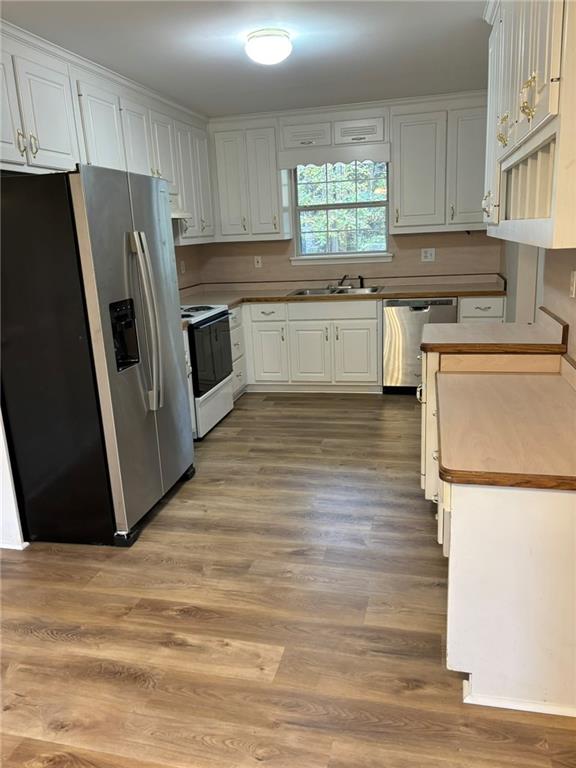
{"points": [[268, 46]]}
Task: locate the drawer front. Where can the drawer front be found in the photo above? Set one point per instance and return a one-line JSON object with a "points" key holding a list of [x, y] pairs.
{"points": [[311, 135], [356, 131], [235, 317], [239, 375], [268, 312], [333, 310], [482, 306], [237, 343]]}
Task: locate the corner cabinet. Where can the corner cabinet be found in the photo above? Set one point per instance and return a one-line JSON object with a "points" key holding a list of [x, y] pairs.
{"points": [[437, 170], [249, 186], [529, 193]]}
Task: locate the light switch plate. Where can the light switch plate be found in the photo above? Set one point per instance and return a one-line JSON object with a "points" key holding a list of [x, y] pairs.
{"points": [[258, 262], [428, 254], [573, 284]]}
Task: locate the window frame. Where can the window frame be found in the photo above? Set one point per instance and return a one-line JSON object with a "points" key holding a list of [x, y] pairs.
{"points": [[341, 256]]}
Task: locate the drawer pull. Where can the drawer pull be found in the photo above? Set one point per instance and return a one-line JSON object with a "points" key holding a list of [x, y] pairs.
{"points": [[21, 142], [236, 343], [484, 309], [267, 312], [435, 500], [419, 393], [435, 455]]}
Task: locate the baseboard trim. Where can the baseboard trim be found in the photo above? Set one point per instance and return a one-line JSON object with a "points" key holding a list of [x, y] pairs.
{"points": [[16, 546], [523, 705], [366, 389]]}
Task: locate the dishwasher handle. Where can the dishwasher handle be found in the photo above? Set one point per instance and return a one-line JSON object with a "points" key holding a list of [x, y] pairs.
{"points": [[419, 304]]}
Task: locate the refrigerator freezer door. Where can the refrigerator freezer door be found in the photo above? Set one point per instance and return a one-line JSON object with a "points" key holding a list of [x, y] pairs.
{"points": [[151, 216], [111, 273]]}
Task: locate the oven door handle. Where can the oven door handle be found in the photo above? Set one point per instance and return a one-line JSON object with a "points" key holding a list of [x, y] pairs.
{"points": [[213, 321], [138, 249]]}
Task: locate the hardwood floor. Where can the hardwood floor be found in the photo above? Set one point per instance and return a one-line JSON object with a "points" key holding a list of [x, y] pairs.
{"points": [[285, 608]]}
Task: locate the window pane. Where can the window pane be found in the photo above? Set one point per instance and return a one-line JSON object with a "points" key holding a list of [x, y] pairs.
{"points": [[310, 174], [341, 218], [341, 171], [343, 242], [371, 191], [314, 242], [341, 192], [313, 221], [373, 219], [311, 194], [365, 169], [371, 241]]}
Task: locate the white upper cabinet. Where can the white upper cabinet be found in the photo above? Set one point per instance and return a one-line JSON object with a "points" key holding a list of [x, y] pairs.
{"points": [[13, 140], [490, 197], [102, 126], [232, 182], [358, 131], [164, 149], [465, 165], [418, 170], [48, 118], [263, 181], [310, 350], [136, 129], [207, 227], [186, 158]]}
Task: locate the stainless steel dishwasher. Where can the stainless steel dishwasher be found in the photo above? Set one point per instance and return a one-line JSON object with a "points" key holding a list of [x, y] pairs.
{"points": [[404, 320]]}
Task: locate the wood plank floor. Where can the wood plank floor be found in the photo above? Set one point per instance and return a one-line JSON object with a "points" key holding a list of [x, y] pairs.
{"points": [[285, 608]]}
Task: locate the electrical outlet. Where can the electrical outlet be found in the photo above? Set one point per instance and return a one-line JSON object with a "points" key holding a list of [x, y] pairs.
{"points": [[573, 284], [258, 262], [428, 254], [182, 267]]}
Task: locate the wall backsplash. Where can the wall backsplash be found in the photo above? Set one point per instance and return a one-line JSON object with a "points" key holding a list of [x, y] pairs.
{"points": [[456, 253], [557, 270]]}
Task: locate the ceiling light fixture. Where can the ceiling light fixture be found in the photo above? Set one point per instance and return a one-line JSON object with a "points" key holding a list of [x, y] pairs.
{"points": [[268, 46]]}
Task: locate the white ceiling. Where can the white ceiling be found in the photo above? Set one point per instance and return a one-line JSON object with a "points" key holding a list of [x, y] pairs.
{"points": [[343, 51]]}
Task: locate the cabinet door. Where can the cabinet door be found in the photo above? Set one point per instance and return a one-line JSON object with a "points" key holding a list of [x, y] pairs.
{"points": [[263, 180], [102, 127], [186, 157], [12, 141], [205, 184], [232, 182], [270, 347], [136, 128], [490, 200], [46, 101], [511, 42], [356, 351], [164, 149], [544, 72], [418, 170], [310, 350], [465, 169]]}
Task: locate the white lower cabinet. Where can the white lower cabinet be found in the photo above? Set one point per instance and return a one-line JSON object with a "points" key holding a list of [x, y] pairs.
{"points": [[356, 351], [310, 350], [270, 350]]}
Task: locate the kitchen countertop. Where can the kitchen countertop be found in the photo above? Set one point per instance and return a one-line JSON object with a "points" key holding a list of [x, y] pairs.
{"points": [[549, 335], [233, 296], [519, 433]]}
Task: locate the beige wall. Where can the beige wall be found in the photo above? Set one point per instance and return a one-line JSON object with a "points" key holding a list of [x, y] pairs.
{"points": [[456, 253], [557, 270]]}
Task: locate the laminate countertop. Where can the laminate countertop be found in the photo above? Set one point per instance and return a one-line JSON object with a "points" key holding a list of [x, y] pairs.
{"points": [[507, 429], [549, 335], [233, 296]]}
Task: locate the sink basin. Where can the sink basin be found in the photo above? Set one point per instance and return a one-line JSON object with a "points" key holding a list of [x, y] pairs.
{"points": [[312, 292], [357, 291]]}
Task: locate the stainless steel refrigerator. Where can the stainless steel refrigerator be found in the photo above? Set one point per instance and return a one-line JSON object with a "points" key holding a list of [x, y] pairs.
{"points": [[94, 391]]}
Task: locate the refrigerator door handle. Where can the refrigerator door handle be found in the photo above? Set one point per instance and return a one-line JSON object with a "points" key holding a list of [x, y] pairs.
{"points": [[160, 369], [143, 270]]}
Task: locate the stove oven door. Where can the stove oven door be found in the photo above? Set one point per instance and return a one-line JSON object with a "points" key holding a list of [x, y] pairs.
{"points": [[210, 352]]}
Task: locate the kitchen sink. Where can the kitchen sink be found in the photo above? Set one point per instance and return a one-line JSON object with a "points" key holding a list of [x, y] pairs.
{"points": [[312, 292], [356, 291]]}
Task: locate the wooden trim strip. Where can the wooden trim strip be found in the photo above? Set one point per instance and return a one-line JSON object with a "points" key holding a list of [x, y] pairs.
{"points": [[569, 360], [471, 477], [563, 323], [464, 348]]}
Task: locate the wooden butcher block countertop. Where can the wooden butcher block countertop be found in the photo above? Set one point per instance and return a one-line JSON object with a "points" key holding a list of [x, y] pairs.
{"points": [[507, 429]]}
